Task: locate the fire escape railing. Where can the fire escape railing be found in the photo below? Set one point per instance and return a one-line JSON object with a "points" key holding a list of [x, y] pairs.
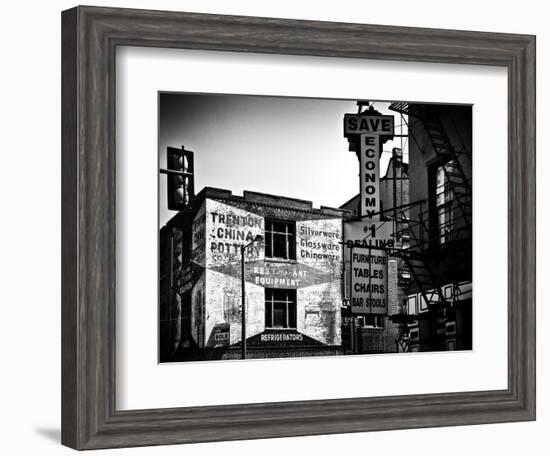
{"points": [[433, 227]]}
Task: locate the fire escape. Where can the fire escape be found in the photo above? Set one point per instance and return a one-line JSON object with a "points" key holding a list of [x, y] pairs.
{"points": [[433, 230]]}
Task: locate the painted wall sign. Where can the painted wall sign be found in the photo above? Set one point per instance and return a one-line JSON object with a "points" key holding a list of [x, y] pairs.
{"points": [[315, 273], [277, 275], [359, 124], [227, 229], [186, 281], [283, 338], [318, 244], [198, 237]]}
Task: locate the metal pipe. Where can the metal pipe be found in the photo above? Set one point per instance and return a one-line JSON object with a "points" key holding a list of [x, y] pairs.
{"points": [[175, 172], [243, 299], [258, 238]]}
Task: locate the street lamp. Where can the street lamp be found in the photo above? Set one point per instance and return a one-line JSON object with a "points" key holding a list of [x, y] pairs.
{"points": [[258, 238]]}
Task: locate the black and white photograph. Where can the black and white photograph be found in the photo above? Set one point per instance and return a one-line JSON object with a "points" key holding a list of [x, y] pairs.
{"points": [[297, 227], [266, 228]]}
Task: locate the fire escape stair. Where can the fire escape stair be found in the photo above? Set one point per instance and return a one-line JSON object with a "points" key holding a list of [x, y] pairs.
{"points": [[415, 255]]}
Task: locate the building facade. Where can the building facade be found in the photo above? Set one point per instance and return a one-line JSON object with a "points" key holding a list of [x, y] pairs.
{"points": [[292, 270], [310, 289], [438, 226]]}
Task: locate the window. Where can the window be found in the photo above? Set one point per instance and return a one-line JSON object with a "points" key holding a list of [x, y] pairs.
{"points": [[448, 292], [423, 302], [373, 321], [280, 308], [280, 239], [346, 279], [443, 201], [412, 305]]}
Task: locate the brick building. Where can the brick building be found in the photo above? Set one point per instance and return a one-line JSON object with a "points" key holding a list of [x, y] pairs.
{"points": [[298, 261], [438, 226], [297, 282], [293, 278]]}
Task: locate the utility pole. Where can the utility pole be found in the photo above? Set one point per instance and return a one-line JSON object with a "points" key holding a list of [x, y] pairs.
{"points": [[180, 194], [243, 305], [258, 238]]}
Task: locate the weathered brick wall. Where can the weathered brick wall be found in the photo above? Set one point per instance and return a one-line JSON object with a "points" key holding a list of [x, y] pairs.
{"points": [[227, 228], [170, 331], [198, 259], [198, 311], [318, 247], [223, 306], [319, 313], [315, 274], [295, 352]]}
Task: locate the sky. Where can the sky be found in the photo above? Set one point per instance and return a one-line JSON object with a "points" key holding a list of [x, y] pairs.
{"points": [[292, 147]]}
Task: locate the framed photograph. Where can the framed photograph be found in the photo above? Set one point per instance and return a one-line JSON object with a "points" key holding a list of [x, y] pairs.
{"points": [[279, 228]]}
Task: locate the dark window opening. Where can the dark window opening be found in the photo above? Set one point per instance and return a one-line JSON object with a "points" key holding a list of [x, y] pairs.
{"points": [[443, 201], [280, 239], [372, 321], [186, 246], [441, 218], [280, 308]]}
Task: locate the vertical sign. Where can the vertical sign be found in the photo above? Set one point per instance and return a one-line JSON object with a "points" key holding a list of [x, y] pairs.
{"points": [[369, 176], [368, 238], [367, 132]]}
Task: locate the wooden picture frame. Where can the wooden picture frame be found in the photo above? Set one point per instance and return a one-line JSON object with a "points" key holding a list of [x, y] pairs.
{"points": [[90, 36]]}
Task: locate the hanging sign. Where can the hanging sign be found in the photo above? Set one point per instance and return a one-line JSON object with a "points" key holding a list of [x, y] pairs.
{"points": [[367, 245], [365, 234], [369, 294]]}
